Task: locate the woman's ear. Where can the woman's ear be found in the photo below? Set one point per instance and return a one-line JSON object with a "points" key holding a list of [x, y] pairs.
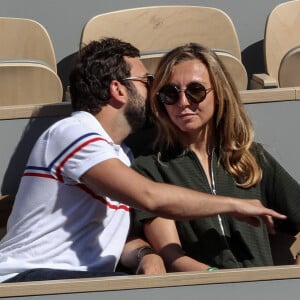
{"points": [[118, 91]]}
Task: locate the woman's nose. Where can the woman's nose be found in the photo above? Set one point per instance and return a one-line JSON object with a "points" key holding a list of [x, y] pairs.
{"points": [[182, 99]]}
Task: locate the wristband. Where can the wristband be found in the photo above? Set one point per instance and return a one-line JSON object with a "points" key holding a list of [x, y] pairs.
{"points": [[141, 250], [212, 269]]}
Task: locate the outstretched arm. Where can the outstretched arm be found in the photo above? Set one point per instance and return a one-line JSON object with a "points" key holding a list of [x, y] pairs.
{"points": [[117, 181]]}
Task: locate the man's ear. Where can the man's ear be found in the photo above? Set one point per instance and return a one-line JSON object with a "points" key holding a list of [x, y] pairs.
{"points": [[118, 92]]}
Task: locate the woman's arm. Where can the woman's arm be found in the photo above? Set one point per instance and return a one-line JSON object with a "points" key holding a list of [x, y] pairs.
{"points": [[163, 236], [139, 257]]}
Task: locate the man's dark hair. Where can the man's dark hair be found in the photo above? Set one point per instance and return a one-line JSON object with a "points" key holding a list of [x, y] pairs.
{"points": [[99, 63]]}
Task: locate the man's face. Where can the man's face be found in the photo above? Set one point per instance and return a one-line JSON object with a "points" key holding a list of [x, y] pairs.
{"points": [[135, 111]]}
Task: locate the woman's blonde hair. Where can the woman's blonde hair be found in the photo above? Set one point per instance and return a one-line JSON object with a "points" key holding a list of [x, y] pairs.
{"points": [[234, 130]]}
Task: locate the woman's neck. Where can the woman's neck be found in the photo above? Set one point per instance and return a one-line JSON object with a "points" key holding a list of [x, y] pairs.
{"points": [[201, 142]]}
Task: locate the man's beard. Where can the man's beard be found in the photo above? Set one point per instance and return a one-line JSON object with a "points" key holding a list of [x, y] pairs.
{"points": [[135, 111]]}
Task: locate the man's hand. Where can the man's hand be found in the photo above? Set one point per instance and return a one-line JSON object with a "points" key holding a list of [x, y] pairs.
{"points": [[249, 211]]}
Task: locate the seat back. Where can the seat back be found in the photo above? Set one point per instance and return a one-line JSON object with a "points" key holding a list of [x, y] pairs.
{"points": [[151, 60], [160, 28], [28, 82], [281, 35], [232, 64], [25, 39], [235, 68], [289, 69]]}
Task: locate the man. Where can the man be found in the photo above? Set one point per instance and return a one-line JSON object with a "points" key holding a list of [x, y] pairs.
{"points": [[71, 213]]}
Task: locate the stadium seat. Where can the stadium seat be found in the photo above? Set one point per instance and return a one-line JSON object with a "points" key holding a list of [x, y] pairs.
{"points": [[281, 48], [289, 69], [28, 70], [28, 82], [26, 39]]}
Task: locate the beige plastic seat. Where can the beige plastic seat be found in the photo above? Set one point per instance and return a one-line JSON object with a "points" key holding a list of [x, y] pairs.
{"points": [[26, 39], [28, 83], [281, 39], [235, 68], [289, 69], [151, 60], [165, 27]]}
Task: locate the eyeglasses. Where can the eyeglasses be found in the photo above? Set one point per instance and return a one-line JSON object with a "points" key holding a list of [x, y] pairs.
{"points": [[147, 79], [195, 93]]}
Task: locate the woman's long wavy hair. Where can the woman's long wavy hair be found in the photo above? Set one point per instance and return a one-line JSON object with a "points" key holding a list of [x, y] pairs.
{"points": [[234, 130]]}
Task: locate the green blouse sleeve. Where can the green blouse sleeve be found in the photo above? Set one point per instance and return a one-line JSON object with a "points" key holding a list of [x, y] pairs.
{"points": [[280, 189], [145, 165]]}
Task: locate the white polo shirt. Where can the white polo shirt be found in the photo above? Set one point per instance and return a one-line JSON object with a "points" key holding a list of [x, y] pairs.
{"points": [[57, 221]]}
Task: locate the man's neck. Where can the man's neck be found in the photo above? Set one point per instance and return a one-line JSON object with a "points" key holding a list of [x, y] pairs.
{"points": [[114, 124]]}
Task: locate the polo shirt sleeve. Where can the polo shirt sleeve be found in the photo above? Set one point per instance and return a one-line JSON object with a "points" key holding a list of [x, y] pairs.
{"points": [[72, 151], [146, 166], [85, 157]]}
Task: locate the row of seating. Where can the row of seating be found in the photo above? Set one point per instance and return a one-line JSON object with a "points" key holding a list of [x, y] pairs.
{"points": [[28, 71], [161, 28]]}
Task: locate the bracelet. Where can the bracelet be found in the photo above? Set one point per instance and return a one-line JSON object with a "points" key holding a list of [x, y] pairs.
{"points": [[212, 269], [140, 251]]}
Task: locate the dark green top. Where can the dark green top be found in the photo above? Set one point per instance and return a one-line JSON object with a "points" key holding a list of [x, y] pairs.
{"points": [[243, 245]]}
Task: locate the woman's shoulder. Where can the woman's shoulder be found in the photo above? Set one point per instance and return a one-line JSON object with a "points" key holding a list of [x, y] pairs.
{"points": [[258, 149], [145, 158], [263, 157], [145, 161]]}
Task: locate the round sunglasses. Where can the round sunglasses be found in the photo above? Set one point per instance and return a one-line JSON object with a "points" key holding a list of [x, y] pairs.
{"points": [[195, 93]]}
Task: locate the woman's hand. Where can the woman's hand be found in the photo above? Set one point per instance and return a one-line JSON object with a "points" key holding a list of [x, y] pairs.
{"points": [[151, 263]]}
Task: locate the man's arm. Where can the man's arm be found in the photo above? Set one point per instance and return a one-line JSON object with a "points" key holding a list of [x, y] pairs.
{"points": [[117, 181]]}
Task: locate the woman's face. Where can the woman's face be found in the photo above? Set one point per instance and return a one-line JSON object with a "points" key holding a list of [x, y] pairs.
{"points": [[191, 117]]}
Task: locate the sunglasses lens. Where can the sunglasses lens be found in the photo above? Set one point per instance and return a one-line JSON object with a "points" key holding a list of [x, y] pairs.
{"points": [[195, 92], [168, 94]]}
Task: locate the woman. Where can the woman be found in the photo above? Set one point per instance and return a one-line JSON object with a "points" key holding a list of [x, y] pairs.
{"points": [[205, 142]]}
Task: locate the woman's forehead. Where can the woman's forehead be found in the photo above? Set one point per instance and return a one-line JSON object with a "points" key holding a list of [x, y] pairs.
{"points": [[193, 68]]}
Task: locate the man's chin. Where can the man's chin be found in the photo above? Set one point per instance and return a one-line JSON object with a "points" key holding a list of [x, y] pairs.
{"points": [[137, 127]]}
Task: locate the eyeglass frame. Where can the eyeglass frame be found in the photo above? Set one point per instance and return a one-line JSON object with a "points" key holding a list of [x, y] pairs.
{"points": [[149, 79], [178, 90]]}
